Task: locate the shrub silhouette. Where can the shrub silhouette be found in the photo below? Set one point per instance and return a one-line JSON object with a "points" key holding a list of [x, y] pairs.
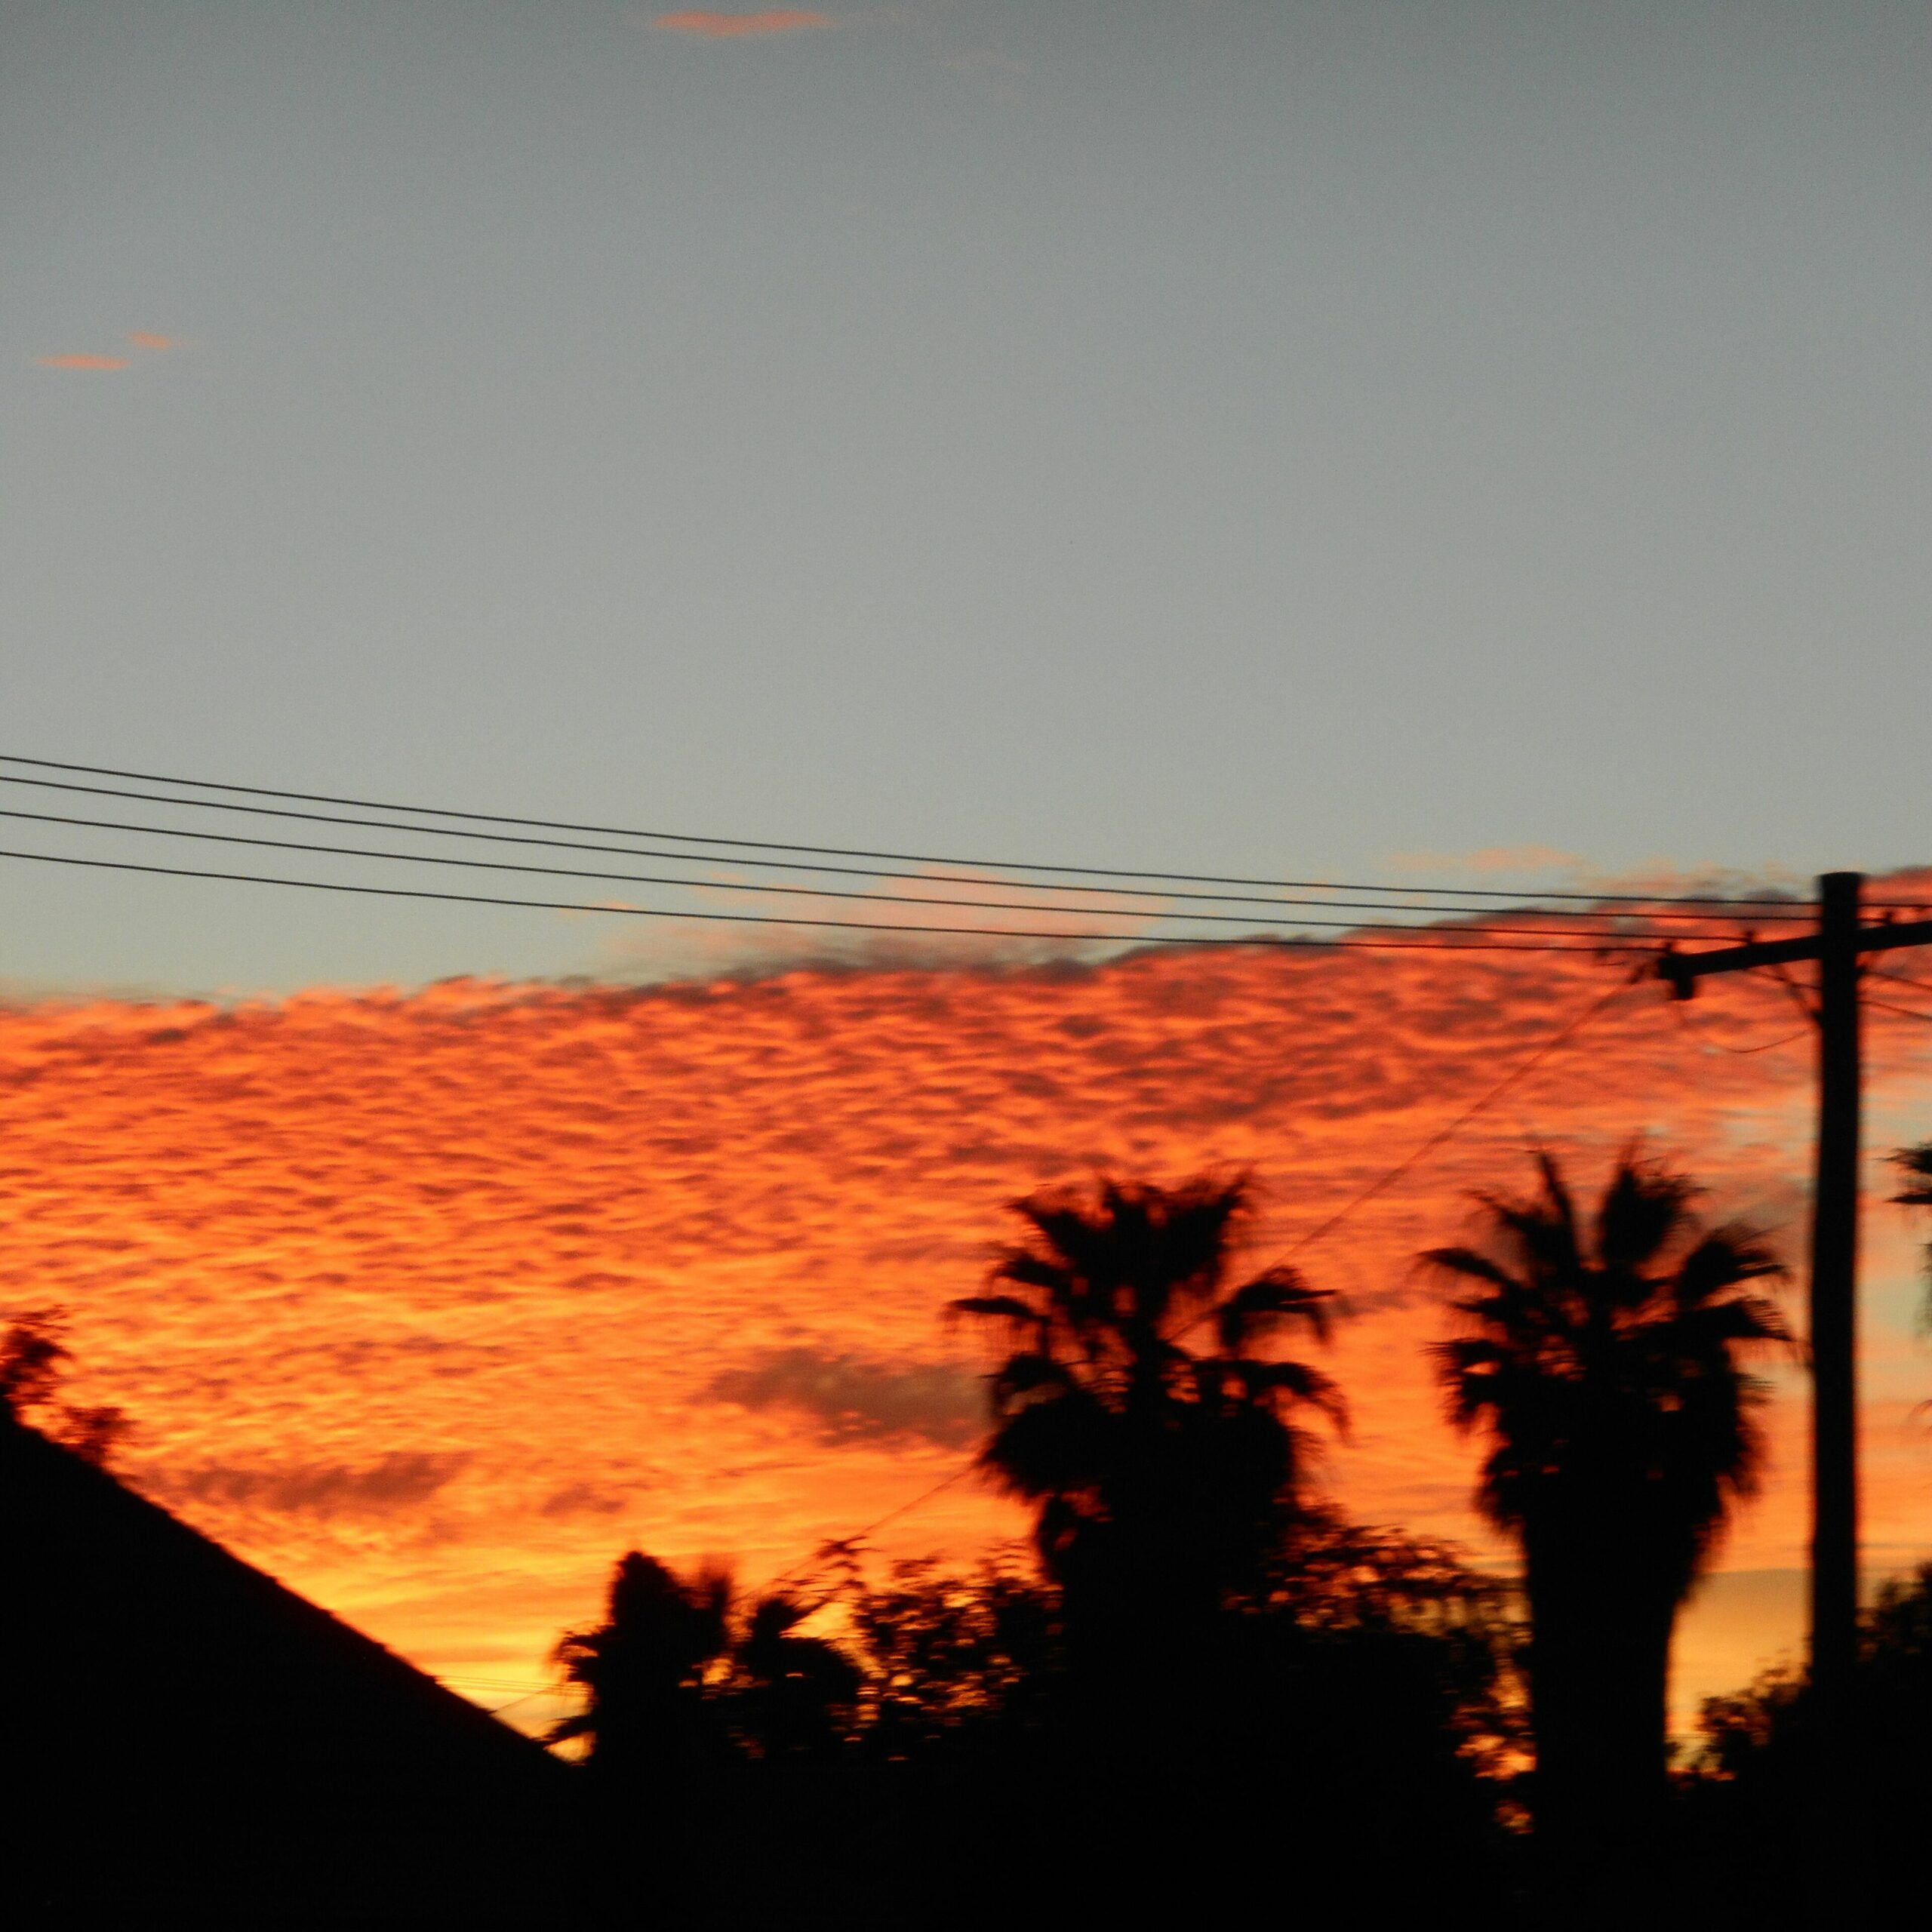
{"points": [[34, 1358], [1751, 1795]]}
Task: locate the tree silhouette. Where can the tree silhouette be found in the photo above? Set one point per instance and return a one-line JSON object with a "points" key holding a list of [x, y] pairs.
{"points": [[1354, 1702], [1602, 1365], [34, 1358], [675, 1681], [643, 1672], [958, 1665], [1752, 1795], [1161, 1476], [795, 1694]]}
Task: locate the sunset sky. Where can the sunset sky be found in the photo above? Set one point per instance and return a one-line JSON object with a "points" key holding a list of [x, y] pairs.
{"points": [[1483, 445], [433, 1302]]}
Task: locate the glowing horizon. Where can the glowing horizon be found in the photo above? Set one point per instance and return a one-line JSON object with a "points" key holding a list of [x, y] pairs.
{"points": [[433, 1302]]}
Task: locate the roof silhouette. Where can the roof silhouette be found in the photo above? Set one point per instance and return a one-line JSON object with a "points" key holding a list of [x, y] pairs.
{"points": [[188, 1730]]}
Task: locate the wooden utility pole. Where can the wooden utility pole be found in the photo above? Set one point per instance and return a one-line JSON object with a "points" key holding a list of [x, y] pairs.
{"points": [[1839, 939]]}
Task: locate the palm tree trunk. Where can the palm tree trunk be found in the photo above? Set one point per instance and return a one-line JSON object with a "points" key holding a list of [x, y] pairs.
{"points": [[1598, 1670]]}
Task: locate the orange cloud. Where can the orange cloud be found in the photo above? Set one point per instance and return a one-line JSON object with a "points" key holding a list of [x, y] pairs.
{"points": [[431, 1302], [80, 361], [708, 26], [141, 338]]}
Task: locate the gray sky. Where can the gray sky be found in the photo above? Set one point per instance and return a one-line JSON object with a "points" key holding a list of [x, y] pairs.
{"points": [[1276, 437]]}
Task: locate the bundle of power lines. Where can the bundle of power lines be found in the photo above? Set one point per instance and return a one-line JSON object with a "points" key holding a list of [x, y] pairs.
{"points": [[169, 826]]}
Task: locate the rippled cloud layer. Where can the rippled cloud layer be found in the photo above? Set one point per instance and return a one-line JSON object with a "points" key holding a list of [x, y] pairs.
{"points": [[431, 1302]]}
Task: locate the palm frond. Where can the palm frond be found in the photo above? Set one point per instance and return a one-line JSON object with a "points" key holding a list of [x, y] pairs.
{"points": [[1915, 1163], [1280, 1298], [1297, 1380], [1645, 1208], [1724, 1259], [1471, 1264], [1022, 1378], [998, 1308]]}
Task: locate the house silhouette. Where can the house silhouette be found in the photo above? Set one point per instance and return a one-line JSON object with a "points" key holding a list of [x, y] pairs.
{"points": [[183, 1736]]}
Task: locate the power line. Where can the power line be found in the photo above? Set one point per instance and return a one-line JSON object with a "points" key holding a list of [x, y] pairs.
{"points": [[1898, 979], [787, 865], [528, 1697], [1524, 1068], [1904, 1012], [1428, 943], [493, 1683], [1705, 1038], [1245, 919], [1763, 908], [858, 1536]]}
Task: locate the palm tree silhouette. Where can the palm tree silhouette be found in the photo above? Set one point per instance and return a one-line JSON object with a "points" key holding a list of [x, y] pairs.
{"points": [[643, 1672], [1161, 1476], [1602, 1365]]}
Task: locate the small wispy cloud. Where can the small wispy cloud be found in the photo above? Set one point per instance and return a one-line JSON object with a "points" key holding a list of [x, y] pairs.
{"points": [[708, 26], [80, 361], [147, 339], [402, 1480], [581, 1498]]}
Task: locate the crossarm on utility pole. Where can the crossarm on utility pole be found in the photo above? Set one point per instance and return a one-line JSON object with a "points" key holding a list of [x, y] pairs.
{"points": [[1682, 970]]}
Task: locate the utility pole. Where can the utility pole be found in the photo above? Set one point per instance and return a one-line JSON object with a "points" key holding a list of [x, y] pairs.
{"points": [[1834, 1298], [1839, 942]]}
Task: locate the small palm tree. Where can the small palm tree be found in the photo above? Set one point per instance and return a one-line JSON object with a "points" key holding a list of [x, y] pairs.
{"points": [[643, 1671], [1161, 1476], [1602, 1364]]}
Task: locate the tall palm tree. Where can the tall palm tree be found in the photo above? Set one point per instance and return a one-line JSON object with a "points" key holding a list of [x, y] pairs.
{"points": [[1161, 1474], [1601, 1363]]}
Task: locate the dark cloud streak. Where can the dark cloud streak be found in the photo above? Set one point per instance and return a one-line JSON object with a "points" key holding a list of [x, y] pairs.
{"points": [[854, 1400]]}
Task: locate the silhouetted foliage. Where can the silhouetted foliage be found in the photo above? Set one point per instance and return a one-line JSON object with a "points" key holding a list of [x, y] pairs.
{"points": [[1751, 1794], [1601, 1360], [677, 1678], [643, 1671], [1916, 1164], [1357, 1696], [793, 1696], [34, 1358], [1162, 1475], [1417, 1607], [953, 1665], [1205, 1656]]}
